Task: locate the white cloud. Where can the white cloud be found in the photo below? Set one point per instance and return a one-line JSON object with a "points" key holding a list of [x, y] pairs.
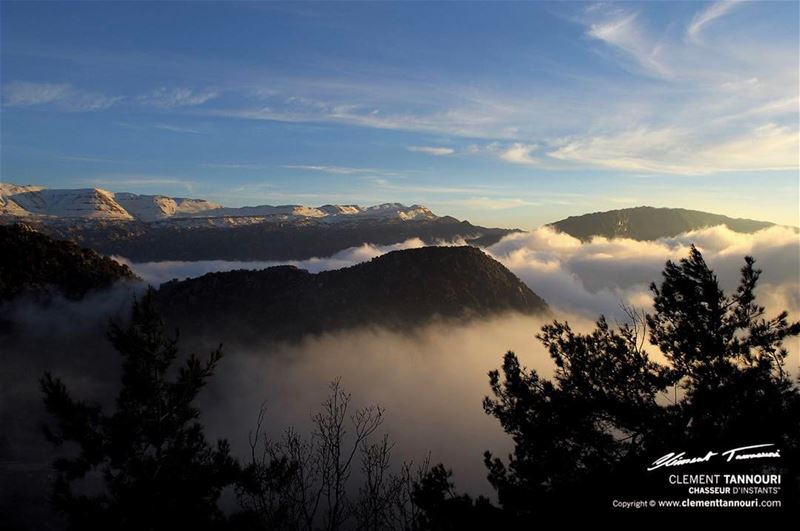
{"points": [[519, 154], [77, 158], [431, 150], [685, 103], [709, 14], [179, 129], [60, 95], [168, 98], [23, 93], [491, 203], [462, 116], [429, 189], [233, 166], [335, 170], [623, 33], [672, 150], [594, 277], [515, 153], [89, 101], [117, 181]]}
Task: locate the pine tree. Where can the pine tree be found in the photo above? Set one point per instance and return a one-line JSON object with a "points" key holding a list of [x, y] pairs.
{"points": [[148, 465], [729, 358], [610, 409]]}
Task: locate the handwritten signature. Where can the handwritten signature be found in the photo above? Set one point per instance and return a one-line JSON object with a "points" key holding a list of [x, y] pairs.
{"points": [[737, 454]]}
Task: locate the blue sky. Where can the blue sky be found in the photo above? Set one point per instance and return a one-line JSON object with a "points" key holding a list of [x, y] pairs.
{"points": [[506, 114]]}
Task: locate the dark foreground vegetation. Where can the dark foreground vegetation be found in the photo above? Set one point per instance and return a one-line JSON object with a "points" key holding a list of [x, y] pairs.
{"points": [[581, 438]]}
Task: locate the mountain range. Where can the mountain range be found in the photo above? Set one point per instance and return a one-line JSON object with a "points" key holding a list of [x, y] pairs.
{"points": [[159, 228], [57, 205]]}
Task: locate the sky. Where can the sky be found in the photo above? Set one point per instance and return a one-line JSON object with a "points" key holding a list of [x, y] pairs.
{"points": [[505, 114]]}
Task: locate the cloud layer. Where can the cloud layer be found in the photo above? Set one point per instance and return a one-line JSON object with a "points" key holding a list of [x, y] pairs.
{"points": [[594, 277], [586, 278]]}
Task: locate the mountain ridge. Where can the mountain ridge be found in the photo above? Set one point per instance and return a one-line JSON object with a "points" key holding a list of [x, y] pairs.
{"points": [[650, 223], [54, 205], [398, 290], [261, 241]]}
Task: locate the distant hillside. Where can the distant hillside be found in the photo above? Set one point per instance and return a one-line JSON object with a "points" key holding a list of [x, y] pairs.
{"points": [[649, 223], [31, 262], [399, 289], [293, 240]]}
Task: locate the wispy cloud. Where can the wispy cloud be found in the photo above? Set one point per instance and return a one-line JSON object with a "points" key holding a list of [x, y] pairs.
{"points": [[406, 187], [233, 166], [519, 154], [23, 93], [60, 95], [681, 151], [119, 182], [622, 32], [515, 152], [492, 203], [708, 15], [169, 98], [179, 129], [466, 118], [680, 107], [431, 150], [72, 158], [336, 170]]}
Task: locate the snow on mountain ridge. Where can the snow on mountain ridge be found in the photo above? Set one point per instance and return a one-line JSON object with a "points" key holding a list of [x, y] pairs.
{"points": [[157, 207], [86, 203], [98, 204], [10, 207]]}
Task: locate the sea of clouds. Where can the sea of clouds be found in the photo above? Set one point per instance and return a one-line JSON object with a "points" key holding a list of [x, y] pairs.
{"points": [[586, 278], [430, 381]]}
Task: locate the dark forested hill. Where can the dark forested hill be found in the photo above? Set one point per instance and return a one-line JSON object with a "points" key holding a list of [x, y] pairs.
{"points": [[649, 223], [189, 240], [31, 262], [399, 289]]}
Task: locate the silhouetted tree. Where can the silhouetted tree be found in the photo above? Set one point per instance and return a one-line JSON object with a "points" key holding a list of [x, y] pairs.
{"points": [[609, 409], [315, 483], [441, 508], [728, 357], [299, 483], [146, 466]]}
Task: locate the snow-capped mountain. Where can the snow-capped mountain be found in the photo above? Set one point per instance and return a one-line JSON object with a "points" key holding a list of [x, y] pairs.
{"points": [[36, 201], [97, 204], [157, 207]]}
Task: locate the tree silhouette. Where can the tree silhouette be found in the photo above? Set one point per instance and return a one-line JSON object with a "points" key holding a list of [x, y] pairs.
{"points": [[302, 483], [610, 409], [148, 465], [728, 358], [314, 483], [441, 508]]}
